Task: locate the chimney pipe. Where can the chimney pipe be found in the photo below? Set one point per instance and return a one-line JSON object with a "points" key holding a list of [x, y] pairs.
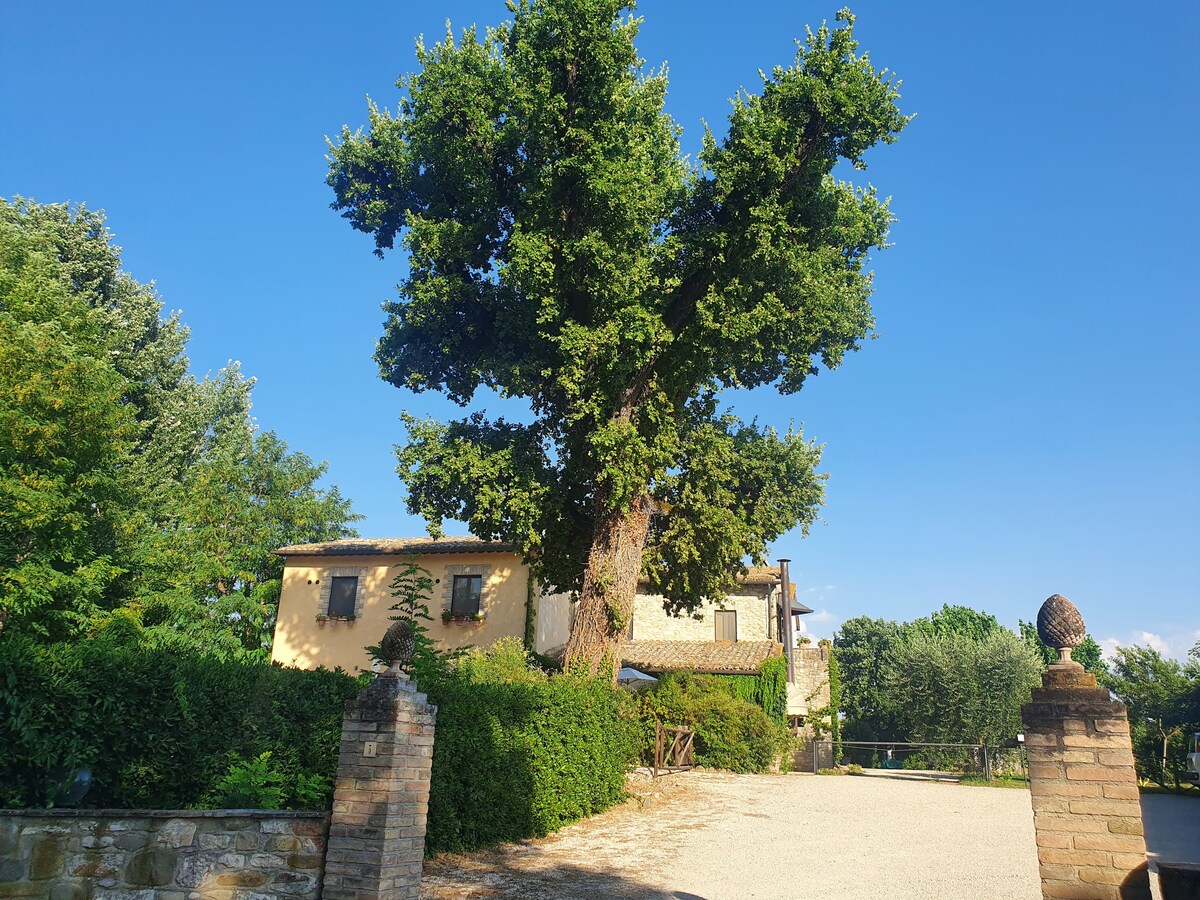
{"points": [[785, 587]]}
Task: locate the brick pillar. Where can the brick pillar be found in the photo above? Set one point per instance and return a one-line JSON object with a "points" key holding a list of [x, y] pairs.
{"points": [[1086, 810], [377, 829]]}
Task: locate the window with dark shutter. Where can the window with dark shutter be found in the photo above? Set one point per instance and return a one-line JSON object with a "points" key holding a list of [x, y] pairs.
{"points": [[342, 593], [726, 624], [465, 599]]}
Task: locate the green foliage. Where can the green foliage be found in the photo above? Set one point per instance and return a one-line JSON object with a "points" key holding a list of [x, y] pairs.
{"points": [[731, 733], [259, 784], [766, 690], [1088, 654], [957, 676], [958, 620], [64, 435], [1163, 699], [160, 725], [413, 589], [561, 250], [125, 483], [827, 720], [864, 648], [956, 688], [249, 784], [520, 753]]}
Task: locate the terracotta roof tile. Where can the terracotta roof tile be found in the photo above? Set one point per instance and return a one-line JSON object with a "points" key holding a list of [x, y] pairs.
{"points": [[719, 657], [396, 546]]}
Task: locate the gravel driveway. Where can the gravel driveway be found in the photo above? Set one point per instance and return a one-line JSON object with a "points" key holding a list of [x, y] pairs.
{"points": [[716, 836]]}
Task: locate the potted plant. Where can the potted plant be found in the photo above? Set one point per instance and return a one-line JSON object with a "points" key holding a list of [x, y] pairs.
{"points": [[447, 616]]}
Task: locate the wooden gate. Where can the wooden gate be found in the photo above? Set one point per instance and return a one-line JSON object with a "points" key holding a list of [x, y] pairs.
{"points": [[672, 749]]}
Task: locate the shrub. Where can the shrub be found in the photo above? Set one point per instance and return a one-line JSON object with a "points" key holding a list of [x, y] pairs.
{"points": [[520, 753], [160, 728], [730, 733]]}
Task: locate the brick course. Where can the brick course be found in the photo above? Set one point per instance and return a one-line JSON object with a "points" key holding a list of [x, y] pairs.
{"points": [[1086, 810], [377, 829]]}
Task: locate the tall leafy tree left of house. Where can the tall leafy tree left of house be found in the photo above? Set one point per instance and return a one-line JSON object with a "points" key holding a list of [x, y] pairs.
{"points": [[130, 484], [562, 250]]}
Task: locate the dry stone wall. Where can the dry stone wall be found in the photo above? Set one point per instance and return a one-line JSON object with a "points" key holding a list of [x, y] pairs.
{"points": [[162, 855]]}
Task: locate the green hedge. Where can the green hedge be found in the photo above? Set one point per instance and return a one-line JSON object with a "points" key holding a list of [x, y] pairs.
{"points": [[519, 753], [158, 727]]}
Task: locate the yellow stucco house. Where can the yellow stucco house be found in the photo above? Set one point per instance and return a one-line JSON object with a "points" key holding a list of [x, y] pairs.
{"points": [[336, 597]]}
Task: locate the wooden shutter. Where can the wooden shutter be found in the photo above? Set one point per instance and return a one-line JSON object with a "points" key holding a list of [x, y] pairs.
{"points": [[726, 624], [342, 593]]}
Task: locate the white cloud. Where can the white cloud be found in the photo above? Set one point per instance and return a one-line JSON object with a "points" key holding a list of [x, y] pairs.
{"points": [[821, 615], [1109, 645], [1153, 640], [831, 587], [798, 626]]}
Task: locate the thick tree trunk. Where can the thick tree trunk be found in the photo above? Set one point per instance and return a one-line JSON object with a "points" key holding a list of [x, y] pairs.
{"points": [[606, 602]]}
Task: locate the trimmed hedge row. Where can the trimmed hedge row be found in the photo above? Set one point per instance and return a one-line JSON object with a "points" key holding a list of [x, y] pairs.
{"points": [[517, 753], [523, 756], [158, 727]]}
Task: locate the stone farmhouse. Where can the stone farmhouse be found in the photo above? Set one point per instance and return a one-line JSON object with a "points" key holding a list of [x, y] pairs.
{"points": [[336, 597]]}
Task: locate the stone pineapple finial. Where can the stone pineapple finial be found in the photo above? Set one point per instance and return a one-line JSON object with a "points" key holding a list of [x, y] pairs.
{"points": [[398, 643], [1061, 626]]}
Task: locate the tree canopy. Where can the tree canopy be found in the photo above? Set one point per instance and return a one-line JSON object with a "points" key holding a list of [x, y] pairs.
{"points": [[563, 251], [127, 485]]}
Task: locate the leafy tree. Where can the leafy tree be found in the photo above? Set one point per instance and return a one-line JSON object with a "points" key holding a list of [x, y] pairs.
{"points": [[124, 481], [1160, 694], [561, 250], [1088, 654], [957, 688], [864, 649], [64, 435], [961, 620]]}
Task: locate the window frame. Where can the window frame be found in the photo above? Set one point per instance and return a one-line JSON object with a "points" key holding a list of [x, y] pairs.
{"points": [[722, 615], [475, 595], [334, 581]]}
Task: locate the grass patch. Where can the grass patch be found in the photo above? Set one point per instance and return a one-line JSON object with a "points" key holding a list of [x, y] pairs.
{"points": [[998, 781]]}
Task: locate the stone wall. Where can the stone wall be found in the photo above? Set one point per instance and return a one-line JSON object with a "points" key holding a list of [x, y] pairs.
{"points": [[652, 623], [810, 690], [161, 855]]}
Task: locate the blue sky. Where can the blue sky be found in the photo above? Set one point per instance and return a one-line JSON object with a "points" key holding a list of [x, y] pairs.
{"points": [[1026, 422]]}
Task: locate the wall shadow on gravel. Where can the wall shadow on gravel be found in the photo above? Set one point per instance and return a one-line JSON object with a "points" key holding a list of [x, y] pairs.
{"points": [[559, 883]]}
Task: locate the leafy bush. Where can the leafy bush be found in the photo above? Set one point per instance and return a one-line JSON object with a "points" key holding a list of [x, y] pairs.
{"points": [[162, 727], [730, 733], [520, 753]]}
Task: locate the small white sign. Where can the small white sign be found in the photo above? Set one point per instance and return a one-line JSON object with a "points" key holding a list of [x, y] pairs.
{"points": [[369, 749]]}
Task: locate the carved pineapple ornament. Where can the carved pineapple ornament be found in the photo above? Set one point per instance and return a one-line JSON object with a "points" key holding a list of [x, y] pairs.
{"points": [[398, 643], [1061, 626]]}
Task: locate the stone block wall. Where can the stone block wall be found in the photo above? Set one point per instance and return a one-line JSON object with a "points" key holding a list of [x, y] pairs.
{"points": [[161, 855], [652, 623], [810, 690]]}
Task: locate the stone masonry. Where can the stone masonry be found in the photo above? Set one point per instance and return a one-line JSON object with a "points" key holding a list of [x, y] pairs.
{"points": [[1086, 808], [380, 803], [161, 855]]}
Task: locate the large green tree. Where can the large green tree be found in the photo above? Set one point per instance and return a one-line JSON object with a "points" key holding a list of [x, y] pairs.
{"points": [[1163, 699], [562, 250], [125, 482]]}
